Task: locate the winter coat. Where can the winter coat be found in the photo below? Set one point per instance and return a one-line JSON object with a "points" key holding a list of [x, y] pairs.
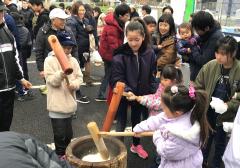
{"points": [[12, 7], [28, 16], [207, 80], [81, 35], [112, 37], [137, 72], [183, 45], [10, 22], [176, 140], [25, 41], [59, 97], [206, 53], [168, 53], [23, 151], [43, 18], [42, 47], [153, 101], [10, 69]]}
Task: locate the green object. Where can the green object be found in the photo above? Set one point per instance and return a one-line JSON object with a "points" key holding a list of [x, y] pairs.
{"points": [[190, 4]]}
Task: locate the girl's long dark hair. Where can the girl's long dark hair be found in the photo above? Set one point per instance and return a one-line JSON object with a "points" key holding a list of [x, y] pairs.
{"points": [[137, 24], [181, 101]]}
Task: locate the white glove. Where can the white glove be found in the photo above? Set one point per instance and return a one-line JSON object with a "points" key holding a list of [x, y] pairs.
{"points": [[219, 106], [228, 126]]}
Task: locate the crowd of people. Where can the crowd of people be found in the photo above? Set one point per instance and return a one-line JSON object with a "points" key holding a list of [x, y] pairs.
{"points": [[144, 53]]}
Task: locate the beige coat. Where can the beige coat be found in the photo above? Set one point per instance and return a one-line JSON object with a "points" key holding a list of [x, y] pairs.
{"points": [[59, 97]]}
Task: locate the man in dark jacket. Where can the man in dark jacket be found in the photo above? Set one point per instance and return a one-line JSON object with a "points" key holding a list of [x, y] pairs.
{"points": [[37, 6], [10, 72], [209, 33], [57, 23], [23, 151], [28, 14], [112, 37]]}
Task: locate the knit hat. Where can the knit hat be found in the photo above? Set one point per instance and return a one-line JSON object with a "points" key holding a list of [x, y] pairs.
{"points": [[3, 7], [65, 39]]}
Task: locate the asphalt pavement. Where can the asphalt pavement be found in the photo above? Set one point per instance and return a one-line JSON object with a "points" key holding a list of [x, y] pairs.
{"points": [[31, 117]]}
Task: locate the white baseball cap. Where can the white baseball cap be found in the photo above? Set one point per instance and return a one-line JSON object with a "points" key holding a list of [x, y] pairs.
{"points": [[58, 13]]}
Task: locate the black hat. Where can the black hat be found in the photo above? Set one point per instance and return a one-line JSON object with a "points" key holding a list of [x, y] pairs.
{"points": [[2, 6], [65, 39]]}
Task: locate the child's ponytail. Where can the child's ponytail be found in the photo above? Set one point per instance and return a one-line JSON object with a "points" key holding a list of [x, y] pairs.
{"points": [[199, 114], [181, 98]]}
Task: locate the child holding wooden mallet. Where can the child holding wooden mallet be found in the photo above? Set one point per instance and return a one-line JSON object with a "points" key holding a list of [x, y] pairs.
{"points": [[61, 97]]}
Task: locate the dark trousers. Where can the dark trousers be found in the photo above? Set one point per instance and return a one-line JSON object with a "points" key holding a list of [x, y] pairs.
{"points": [[6, 109], [136, 111], [220, 139], [105, 80], [63, 133], [24, 65], [19, 88]]}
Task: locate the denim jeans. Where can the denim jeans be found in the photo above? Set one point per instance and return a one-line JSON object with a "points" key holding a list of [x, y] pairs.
{"points": [[63, 133], [136, 111], [105, 80], [6, 109], [19, 88]]}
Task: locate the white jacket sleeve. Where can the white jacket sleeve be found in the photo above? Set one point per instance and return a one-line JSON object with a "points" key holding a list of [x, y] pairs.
{"points": [[151, 124]]}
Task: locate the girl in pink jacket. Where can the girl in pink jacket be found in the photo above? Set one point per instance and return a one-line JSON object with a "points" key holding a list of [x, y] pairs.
{"points": [[170, 75], [181, 130]]}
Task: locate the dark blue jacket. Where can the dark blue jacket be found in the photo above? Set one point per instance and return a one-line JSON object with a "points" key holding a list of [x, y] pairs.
{"points": [[138, 73], [207, 44], [10, 22]]}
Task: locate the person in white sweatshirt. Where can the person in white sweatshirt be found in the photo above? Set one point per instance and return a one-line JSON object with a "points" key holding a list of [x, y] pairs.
{"points": [[61, 96]]}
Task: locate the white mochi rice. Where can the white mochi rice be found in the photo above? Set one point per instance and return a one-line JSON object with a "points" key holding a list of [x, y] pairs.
{"points": [[94, 158]]}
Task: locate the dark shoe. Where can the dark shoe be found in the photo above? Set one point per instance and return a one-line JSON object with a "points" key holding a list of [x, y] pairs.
{"points": [[74, 116], [29, 95], [83, 100], [20, 98], [100, 99]]}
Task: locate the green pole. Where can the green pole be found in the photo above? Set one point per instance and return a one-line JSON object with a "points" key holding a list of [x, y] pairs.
{"points": [[190, 4]]}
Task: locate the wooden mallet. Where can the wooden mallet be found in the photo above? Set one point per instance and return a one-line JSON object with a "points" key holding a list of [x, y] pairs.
{"points": [[60, 55], [98, 140], [112, 110]]}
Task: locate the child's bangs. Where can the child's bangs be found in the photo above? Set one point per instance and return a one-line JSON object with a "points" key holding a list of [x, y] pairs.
{"points": [[224, 50]]}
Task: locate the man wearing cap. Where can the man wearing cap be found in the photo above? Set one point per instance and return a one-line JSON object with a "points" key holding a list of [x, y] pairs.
{"points": [[57, 23], [10, 71]]}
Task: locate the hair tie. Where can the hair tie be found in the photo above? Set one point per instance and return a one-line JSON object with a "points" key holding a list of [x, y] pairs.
{"points": [[174, 89], [192, 91]]}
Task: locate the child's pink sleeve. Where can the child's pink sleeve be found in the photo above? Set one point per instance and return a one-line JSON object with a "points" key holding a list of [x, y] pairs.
{"points": [[152, 101]]}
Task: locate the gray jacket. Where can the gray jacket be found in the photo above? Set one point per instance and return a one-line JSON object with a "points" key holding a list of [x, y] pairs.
{"points": [[43, 47], [23, 151]]}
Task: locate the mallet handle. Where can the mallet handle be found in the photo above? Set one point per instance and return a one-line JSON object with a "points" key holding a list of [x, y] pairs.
{"points": [[98, 140], [102, 133]]}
